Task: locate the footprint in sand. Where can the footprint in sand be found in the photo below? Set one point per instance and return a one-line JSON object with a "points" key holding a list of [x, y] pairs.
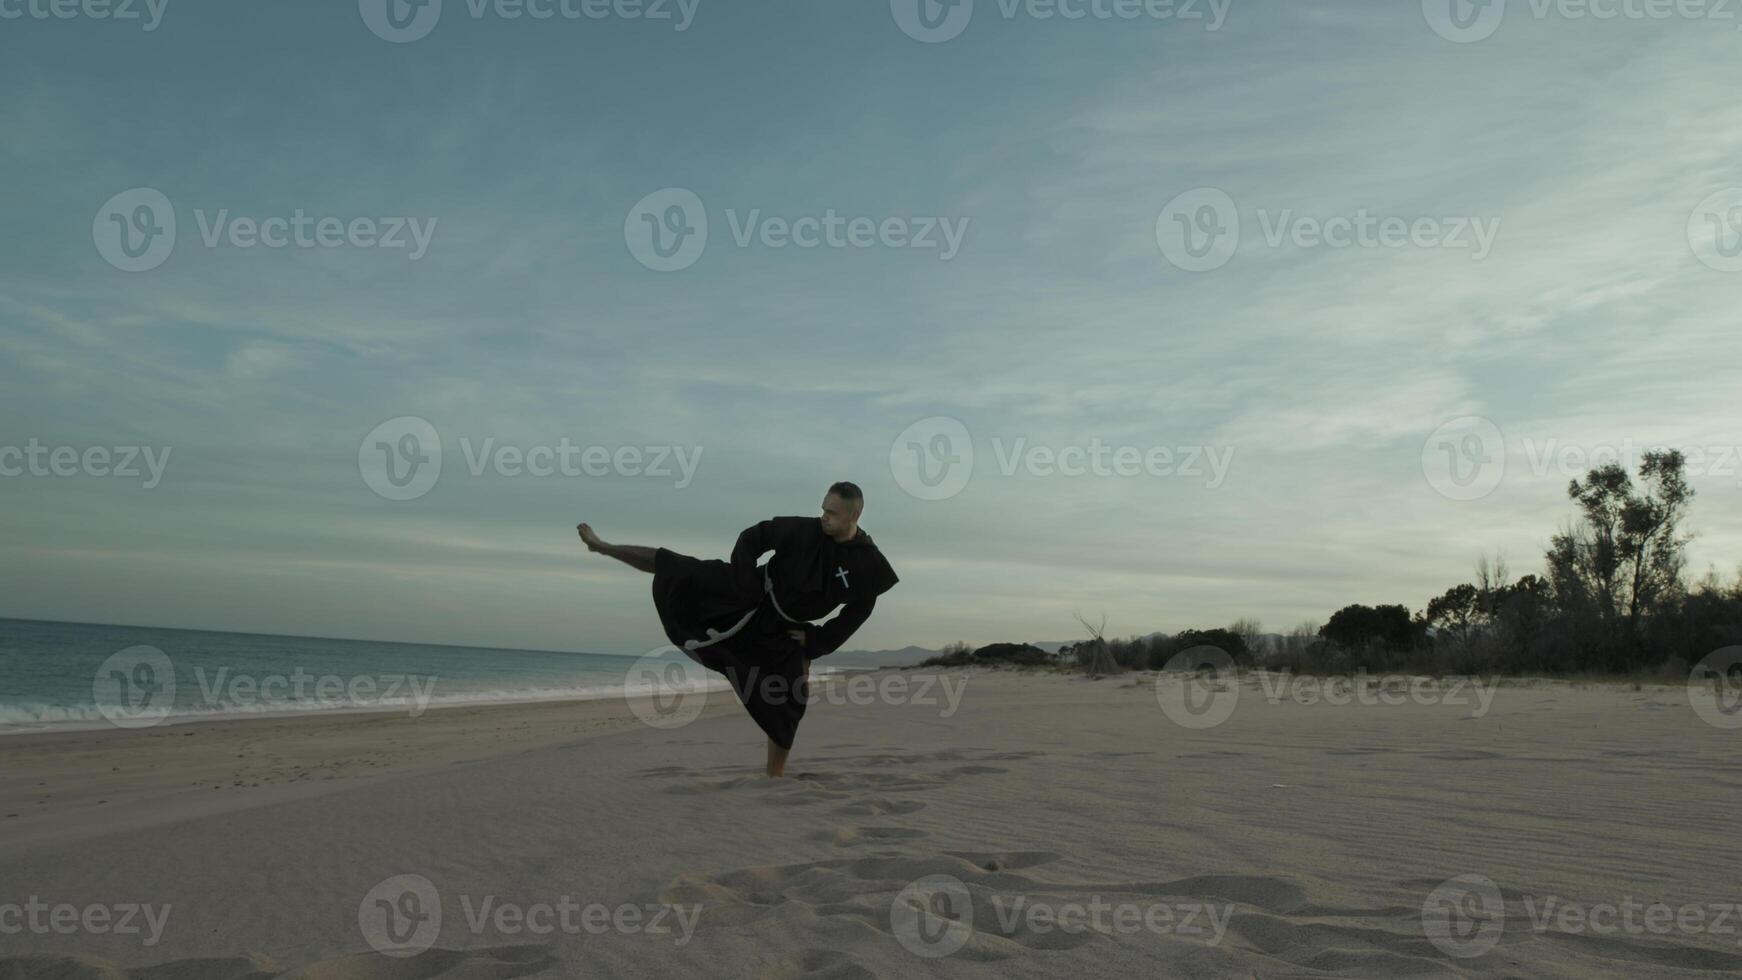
{"points": [[878, 807], [856, 836], [823, 964]]}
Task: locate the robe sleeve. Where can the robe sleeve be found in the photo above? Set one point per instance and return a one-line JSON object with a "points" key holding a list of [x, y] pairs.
{"points": [[752, 542], [823, 640]]}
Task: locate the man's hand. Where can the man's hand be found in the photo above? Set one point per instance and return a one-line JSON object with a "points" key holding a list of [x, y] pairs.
{"points": [[797, 634]]}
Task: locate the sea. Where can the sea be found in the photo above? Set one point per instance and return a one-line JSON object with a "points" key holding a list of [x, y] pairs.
{"points": [[56, 675]]}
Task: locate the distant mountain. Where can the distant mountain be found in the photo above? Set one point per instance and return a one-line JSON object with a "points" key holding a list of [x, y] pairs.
{"points": [[908, 656]]}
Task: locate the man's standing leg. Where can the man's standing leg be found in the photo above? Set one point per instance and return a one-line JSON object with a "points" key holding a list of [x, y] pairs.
{"points": [[633, 555], [776, 760], [776, 754]]}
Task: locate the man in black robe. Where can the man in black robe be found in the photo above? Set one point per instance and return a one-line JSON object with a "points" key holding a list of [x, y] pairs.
{"points": [[754, 624]]}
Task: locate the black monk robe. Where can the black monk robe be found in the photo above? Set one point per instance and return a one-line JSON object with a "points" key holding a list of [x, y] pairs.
{"points": [[733, 617]]}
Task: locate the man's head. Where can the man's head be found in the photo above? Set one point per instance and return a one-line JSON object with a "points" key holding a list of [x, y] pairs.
{"points": [[842, 506]]}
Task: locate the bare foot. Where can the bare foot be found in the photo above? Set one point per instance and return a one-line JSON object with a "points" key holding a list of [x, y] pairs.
{"points": [[589, 538]]}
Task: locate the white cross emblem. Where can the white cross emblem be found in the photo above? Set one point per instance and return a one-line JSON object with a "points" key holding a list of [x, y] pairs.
{"points": [[841, 573]]}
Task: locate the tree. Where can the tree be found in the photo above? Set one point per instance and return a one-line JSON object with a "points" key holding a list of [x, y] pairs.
{"points": [[1226, 641], [1455, 614], [1370, 634], [1621, 563], [1250, 631]]}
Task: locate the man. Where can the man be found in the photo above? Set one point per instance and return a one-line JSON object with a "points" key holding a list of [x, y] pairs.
{"points": [[754, 624]]}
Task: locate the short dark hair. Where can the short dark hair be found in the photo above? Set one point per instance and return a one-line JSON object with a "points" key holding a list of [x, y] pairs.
{"points": [[848, 491]]}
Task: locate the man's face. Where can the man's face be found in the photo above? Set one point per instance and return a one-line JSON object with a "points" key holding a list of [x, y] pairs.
{"points": [[838, 515]]}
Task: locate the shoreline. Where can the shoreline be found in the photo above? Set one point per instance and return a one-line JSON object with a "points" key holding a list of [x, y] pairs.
{"points": [[67, 784], [10, 730]]}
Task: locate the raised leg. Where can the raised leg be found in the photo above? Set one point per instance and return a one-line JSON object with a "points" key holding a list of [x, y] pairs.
{"points": [[633, 555]]}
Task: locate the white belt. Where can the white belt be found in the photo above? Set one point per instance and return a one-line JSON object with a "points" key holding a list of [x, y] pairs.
{"points": [[715, 636]]}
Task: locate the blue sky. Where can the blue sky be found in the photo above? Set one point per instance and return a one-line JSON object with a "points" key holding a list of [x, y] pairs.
{"points": [[1328, 379]]}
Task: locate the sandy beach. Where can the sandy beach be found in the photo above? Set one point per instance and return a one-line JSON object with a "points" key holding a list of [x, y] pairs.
{"points": [[971, 823]]}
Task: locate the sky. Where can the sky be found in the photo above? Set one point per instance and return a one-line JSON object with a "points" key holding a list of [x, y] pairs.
{"points": [[1163, 313]]}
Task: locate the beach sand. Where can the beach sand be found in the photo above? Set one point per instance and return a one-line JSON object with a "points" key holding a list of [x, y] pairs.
{"points": [[1052, 826]]}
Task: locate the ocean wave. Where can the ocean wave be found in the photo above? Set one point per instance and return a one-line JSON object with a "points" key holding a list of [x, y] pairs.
{"points": [[23, 717]]}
